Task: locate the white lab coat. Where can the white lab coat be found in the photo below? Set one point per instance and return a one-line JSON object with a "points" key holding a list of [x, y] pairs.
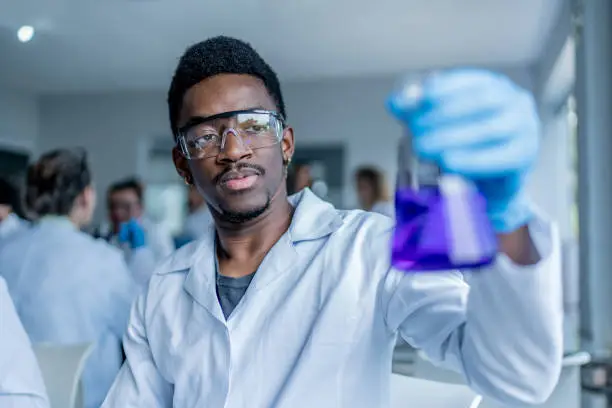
{"points": [[318, 324], [11, 225], [158, 238], [69, 288], [384, 208], [21, 384]]}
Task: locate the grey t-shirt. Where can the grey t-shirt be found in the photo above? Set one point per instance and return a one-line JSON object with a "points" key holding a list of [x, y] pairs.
{"points": [[231, 290]]}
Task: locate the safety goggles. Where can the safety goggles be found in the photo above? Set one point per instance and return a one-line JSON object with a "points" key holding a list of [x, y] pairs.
{"points": [[206, 137]]}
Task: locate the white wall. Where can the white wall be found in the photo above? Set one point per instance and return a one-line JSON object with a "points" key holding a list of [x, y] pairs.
{"points": [[18, 121], [115, 127]]}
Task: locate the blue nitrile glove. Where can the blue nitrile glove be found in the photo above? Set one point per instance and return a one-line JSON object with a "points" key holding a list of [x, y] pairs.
{"points": [[480, 125], [133, 234]]}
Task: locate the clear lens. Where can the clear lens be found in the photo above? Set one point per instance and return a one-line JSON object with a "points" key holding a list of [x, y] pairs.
{"points": [[254, 130]]}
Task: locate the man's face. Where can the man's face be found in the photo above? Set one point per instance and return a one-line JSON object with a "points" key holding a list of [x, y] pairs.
{"points": [[303, 178], [124, 205], [365, 193], [5, 210], [242, 199]]}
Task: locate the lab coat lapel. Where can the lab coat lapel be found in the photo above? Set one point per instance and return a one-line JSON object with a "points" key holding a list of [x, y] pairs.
{"points": [[201, 278], [313, 219]]}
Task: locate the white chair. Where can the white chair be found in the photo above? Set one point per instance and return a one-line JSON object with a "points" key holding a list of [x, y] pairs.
{"points": [[62, 367], [409, 392]]}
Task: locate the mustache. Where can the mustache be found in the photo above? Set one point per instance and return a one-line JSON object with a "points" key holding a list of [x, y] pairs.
{"points": [[238, 167]]}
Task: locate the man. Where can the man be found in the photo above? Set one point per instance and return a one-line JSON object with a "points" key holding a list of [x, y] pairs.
{"points": [[125, 204], [292, 303], [21, 383]]}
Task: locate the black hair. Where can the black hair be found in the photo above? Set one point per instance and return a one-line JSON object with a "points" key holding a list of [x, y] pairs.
{"points": [[11, 196], [55, 181], [131, 183], [376, 178], [215, 56]]}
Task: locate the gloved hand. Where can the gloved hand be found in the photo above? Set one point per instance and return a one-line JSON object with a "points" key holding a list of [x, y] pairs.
{"points": [[480, 125], [133, 234]]}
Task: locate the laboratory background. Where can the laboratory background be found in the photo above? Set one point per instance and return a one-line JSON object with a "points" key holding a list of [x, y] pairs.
{"points": [[94, 76]]}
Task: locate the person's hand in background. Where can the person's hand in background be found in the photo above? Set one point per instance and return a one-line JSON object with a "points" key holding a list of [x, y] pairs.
{"points": [[133, 234]]}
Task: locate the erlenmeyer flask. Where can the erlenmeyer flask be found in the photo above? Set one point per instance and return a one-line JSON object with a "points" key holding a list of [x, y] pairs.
{"points": [[441, 220]]}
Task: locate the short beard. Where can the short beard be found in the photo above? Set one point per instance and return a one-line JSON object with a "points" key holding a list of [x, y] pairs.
{"points": [[240, 217]]}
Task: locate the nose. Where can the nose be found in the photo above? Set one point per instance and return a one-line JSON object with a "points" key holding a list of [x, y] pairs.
{"points": [[232, 147]]}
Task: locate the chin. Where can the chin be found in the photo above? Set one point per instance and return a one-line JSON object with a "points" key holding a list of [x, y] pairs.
{"points": [[243, 213]]}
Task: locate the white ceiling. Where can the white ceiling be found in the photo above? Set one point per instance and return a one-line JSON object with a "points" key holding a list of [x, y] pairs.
{"points": [[84, 45]]}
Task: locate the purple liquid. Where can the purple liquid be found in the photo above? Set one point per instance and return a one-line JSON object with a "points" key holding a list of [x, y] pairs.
{"points": [[435, 231]]}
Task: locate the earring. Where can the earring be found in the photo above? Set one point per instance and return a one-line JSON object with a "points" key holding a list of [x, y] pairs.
{"points": [[187, 180]]}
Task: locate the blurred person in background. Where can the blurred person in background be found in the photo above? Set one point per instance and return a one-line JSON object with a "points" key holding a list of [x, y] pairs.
{"points": [[21, 383], [372, 191], [198, 219], [68, 287], [298, 177], [125, 205], [11, 214], [291, 302]]}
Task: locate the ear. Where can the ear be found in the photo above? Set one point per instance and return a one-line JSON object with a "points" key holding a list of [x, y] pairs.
{"points": [[88, 197], [181, 165], [288, 144]]}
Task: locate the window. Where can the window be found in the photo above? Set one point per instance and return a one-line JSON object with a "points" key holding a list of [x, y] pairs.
{"points": [[166, 193], [572, 119], [166, 204]]}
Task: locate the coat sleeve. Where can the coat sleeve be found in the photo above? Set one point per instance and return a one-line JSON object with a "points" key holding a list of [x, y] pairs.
{"points": [[500, 327], [21, 383], [139, 384]]}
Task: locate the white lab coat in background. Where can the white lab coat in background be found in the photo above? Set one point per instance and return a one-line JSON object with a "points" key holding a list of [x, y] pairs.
{"points": [[69, 288], [385, 208], [11, 225], [318, 324], [158, 238], [21, 383], [197, 223]]}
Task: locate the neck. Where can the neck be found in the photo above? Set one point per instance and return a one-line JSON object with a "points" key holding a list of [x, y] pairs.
{"points": [[76, 220], [253, 239], [368, 206]]}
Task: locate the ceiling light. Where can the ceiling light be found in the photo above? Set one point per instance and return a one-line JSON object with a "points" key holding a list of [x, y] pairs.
{"points": [[25, 33]]}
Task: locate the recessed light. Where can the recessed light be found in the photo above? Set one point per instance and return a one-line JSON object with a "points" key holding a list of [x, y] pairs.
{"points": [[25, 33]]}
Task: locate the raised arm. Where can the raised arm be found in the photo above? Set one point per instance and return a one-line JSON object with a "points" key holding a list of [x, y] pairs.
{"points": [[501, 327]]}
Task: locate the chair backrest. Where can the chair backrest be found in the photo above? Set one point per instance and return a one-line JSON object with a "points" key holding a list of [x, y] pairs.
{"points": [[407, 392], [62, 367]]}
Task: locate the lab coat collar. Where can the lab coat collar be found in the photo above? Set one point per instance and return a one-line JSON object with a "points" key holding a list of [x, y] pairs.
{"points": [[313, 219], [57, 221]]}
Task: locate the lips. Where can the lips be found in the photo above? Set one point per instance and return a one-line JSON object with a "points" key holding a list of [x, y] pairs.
{"points": [[239, 180]]}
